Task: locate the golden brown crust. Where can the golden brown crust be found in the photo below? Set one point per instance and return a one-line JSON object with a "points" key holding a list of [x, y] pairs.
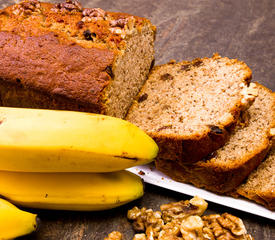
{"points": [[42, 64], [264, 198], [69, 24], [182, 149], [194, 148], [211, 176]]}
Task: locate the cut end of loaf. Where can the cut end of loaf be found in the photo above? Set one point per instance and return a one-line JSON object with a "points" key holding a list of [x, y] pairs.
{"points": [[130, 72], [184, 98]]}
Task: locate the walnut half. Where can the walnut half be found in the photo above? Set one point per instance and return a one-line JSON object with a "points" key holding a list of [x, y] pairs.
{"points": [[224, 227], [183, 209], [191, 228]]}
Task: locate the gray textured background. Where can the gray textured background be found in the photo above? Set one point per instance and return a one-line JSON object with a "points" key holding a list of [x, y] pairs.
{"points": [[243, 29]]}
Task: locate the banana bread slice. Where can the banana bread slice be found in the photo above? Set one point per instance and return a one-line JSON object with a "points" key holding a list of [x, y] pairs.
{"points": [[260, 185], [227, 167], [64, 56], [187, 107]]}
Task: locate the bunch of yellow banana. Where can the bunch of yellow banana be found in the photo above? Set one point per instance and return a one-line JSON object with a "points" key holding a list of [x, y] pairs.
{"points": [[70, 160]]}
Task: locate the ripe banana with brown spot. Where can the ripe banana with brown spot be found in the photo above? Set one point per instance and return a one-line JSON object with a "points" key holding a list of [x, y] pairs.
{"points": [[34, 140]]}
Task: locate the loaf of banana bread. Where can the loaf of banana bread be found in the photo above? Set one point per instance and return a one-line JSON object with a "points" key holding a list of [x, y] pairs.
{"points": [[64, 56]]}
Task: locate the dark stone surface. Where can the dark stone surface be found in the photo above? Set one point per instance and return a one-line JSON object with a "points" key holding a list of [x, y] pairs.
{"points": [[186, 30]]}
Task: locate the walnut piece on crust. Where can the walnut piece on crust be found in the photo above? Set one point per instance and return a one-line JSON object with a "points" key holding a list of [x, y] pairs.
{"points": [[26, 7], [114, 236], [68, 5]]}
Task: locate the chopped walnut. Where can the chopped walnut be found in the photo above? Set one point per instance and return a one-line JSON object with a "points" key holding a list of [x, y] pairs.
{"points": [[249, 94], [183, 209], [68, 5], [114, 236], [233, 223], [146, 220], [130, 24], [227, 117], [93, 12], [118, 23], [169, 231], [26, 7], [90, 14], [223, 227], [168, 236], [116, 30], [272, 132], [122, 26], [150, 233], [139, 236], [182, 221], [200, 203], [191, 228]]}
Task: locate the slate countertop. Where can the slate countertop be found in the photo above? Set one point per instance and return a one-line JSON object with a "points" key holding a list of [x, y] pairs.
{"points": [[186, 29]]}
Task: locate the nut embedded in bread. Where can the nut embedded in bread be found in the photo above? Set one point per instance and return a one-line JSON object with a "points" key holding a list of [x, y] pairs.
{"points": [[64, 56], [227, 167], [187, 107]]}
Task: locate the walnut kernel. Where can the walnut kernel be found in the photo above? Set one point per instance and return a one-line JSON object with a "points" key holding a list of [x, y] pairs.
{"points": [[224, 227], [191, 228], [114, 236], [183, 209]]}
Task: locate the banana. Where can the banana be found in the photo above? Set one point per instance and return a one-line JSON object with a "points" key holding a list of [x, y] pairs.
{"points": [[15, 222], [34, 140], [70, 191]]}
